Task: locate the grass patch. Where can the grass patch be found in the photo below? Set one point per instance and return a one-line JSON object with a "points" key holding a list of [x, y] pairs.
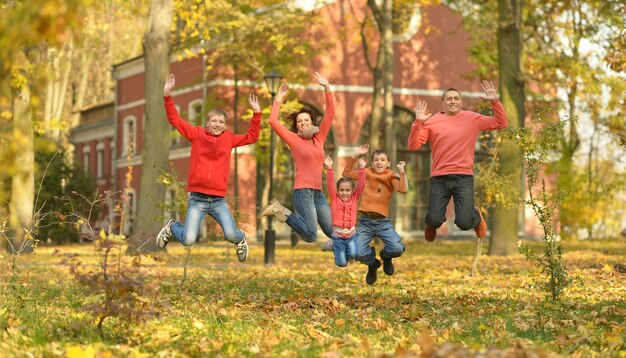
{"points": [[306, 306]]}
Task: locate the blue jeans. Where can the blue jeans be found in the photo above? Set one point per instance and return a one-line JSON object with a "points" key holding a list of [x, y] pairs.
{"points": [[345, 249], [200, 205], [310, 209], [461, 188], [367, 229]]}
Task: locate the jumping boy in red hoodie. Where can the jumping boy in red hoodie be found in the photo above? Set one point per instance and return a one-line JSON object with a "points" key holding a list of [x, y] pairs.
{"points": [[209, 170]]}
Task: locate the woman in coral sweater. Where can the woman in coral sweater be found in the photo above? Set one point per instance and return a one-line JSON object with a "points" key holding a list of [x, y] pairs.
{"points": [[306, 142]]}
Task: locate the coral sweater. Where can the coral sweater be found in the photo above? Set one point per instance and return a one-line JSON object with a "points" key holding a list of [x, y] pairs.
{"points": [[343, 213], [378, 187], [209, 165], [453, 138], [308, 154]]}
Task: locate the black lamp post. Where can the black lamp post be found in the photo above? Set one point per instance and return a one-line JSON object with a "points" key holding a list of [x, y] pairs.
{"points": [[272, 81]]}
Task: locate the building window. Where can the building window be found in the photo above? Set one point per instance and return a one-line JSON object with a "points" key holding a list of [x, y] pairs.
{"points": [[130, 207], [174, 133], [100, 160], [129, 136], [195, 112], [86, 161], [112, 159]]}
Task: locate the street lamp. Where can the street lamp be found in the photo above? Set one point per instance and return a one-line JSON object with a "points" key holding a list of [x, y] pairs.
{"points": [[272, 81]]}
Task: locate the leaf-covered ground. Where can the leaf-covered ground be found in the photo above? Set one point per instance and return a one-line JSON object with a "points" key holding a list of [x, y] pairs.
{"points": [[305, 306]]}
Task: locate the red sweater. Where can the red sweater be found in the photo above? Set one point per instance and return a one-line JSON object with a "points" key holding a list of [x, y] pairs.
{"points": [[308, 154], [343, 213], [453, 138], [209, 165]]}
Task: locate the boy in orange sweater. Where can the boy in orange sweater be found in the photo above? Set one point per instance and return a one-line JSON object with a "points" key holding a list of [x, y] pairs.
{"points": [[380, 183]]}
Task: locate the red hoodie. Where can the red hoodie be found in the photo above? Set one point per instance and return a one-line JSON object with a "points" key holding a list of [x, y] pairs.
{"points": [[209, 166]]}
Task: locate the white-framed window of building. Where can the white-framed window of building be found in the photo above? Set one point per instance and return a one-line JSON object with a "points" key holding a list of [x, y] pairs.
{"points": [[100, 160], [130, 208], [129, 135], [174, 134], [86, 155], [112, 159], [195, 112]]}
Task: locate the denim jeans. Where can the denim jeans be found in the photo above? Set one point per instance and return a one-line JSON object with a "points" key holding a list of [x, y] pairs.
{"points": [[345, 249], [199, 205], [461, 188], [367, 229], [310, 209]]}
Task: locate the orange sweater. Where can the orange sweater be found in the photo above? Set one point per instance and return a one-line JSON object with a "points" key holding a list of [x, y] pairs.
{"points": [[378, 187], [453, 138], [308, 154]]}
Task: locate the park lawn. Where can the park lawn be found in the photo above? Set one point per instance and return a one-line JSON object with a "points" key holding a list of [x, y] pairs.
{"points": [[305, 306]]}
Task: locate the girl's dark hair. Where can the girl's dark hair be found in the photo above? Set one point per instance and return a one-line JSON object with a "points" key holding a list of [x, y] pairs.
{"points": [[293, 117], [345, 180], [378, 152]]}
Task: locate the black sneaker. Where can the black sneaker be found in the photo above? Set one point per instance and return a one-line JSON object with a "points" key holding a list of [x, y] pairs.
{"points": [[371, 276], [242, 249], [387, 265], [164, 235]]}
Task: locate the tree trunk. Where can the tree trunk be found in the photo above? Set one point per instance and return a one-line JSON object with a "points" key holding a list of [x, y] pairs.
{"points": [[377, 73], [504, 233], [156, 130], [387, 45], [23, 180]]}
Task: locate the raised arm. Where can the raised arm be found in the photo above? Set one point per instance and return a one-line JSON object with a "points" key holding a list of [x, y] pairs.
{"points": [[401, 184], [278, 127], [360, 185], [330, 177], [186, 129], [255, 125], [348, 170], [419, 135], [499, 120], [329, 115]]}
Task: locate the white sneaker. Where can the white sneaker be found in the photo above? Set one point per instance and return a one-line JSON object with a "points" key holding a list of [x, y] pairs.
{"points": [[164, 235], [327, 246], [242, 249]]}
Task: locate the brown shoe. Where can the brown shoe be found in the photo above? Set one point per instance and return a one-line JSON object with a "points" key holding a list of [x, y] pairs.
{"points": [[481, 229], [275, 208], [430, 233]]}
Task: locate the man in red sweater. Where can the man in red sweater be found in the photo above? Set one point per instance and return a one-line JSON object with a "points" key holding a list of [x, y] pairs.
{"points": [[209, 169], [453, 134]]}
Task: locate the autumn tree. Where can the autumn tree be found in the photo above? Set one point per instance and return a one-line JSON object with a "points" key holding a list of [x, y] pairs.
{"points": [[504, 233], [156, 138], [244, 40], [24, 27]]}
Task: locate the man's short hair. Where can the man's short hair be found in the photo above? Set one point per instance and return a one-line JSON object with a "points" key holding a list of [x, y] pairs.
{"points": [[451, 89]]}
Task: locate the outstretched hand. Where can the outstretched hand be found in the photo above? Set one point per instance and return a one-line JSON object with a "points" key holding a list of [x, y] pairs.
{"points": [[362, 162], [319, 78], [328, 162], [254, 103], [400, 166], [282, 92], [169, 84], [490, 91], [362, 150], [420, 111]]}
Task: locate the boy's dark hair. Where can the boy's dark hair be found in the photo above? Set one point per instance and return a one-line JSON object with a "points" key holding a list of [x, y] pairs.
{"points": [[293, 117], [451, 89], [345, 180], [378, 152]]}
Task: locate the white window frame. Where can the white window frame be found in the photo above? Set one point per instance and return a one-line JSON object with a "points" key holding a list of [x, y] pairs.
{"points": [[86, 158], [125, 134], [100, 160]]}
